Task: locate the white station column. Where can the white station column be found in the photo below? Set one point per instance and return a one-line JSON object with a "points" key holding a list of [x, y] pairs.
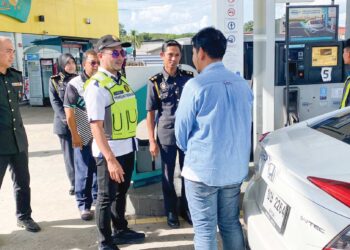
{"points": [[19, 50], [228, 17], [263, 67], [347, 16]]}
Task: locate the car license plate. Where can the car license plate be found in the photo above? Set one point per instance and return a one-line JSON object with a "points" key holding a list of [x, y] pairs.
{"points": [[276, 209]]}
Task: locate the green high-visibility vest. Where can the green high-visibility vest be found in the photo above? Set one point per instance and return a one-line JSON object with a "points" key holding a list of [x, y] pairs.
{"points": [[344, 100], [121, 116]]}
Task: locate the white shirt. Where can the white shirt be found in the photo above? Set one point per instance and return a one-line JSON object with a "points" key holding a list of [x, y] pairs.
{"points": [[97, 99]]}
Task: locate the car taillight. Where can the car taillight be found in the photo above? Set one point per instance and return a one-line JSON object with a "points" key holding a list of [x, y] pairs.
{"points": [[338, 189], [340, 242], [262, 136]]}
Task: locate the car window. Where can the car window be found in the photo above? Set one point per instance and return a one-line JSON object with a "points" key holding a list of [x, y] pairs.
{"points": [[336, 127]]}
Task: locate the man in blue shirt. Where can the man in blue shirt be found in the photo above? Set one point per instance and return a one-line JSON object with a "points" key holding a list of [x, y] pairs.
{"points": [[212, 126]]}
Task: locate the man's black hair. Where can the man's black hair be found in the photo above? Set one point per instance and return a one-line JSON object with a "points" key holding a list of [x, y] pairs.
{"points": [[347, 44], [87, 53], [169, 43], [212, 41]]}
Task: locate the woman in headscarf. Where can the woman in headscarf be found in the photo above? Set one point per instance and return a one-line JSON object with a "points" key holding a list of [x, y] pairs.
{"points": [[57, 86]]}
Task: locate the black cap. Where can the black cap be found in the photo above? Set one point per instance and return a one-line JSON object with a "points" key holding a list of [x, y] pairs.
{"points": [[109, 41], [347, 43]]}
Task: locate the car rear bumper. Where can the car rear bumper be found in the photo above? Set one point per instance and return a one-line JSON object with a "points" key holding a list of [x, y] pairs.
{"points": [[261, 234]]}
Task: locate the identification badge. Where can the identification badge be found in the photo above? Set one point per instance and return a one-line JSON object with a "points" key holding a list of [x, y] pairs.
{"points": [[164, 86], [17, 84]]}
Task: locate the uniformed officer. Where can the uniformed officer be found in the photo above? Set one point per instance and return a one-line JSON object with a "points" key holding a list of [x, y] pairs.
{"points": [[346, 56], [57, 88], [163, 95], [14, 144], [112, 112]]}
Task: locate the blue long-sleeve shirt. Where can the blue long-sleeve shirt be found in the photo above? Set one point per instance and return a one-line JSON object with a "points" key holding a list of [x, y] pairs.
{"points": [[213, 127]]}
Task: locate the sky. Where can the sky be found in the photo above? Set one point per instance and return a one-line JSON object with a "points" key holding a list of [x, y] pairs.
{"points": [[183, 16]]}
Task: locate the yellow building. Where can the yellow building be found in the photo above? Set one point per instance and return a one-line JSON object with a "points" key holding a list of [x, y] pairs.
{"points": [[74, 18], [43, 29]]}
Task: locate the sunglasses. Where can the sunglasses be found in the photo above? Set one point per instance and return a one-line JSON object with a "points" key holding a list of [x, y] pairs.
{"points": [[94, 63], [115, 53]]}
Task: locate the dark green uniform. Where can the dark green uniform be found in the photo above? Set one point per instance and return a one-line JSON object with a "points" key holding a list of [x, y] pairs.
{"points": [[12, 134], [14, 144]]}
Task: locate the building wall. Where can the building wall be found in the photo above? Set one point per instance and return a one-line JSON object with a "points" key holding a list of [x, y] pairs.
{"points": [[67, 18]]}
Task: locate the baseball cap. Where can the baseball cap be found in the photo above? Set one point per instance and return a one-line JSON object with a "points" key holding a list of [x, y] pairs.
{"points": [[110, 41]]}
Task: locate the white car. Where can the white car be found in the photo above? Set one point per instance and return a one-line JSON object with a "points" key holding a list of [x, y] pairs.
{"points": [[299, 196], [314, 26]]}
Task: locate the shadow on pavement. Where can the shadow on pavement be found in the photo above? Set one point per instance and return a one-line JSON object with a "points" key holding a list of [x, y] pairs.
{"points": [[77, 234], [45, 153], [66, 234]]}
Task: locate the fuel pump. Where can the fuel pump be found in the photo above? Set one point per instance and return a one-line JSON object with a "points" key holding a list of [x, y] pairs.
{"points": [[309, 70], [316, 75]]}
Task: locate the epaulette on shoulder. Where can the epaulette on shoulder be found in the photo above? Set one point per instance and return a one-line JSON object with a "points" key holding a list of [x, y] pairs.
{"points": [[186, 72], [15, 70], [156, 77]]}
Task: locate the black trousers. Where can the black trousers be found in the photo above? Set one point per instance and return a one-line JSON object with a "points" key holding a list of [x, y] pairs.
{"points": [[111, 198], [68, 156], [168, 154], [18, 164]]}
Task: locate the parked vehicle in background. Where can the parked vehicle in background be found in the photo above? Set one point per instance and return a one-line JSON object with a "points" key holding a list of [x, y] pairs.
{"points": [[314, 25], [299, 197]]}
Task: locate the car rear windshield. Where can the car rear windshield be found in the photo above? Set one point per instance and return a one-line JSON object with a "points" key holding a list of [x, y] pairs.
{"points": [[336, 127]]}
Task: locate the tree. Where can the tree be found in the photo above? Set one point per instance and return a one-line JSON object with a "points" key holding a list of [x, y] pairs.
{"points": [[122, 31], [249, 26], [146, 36], [136, 39]]}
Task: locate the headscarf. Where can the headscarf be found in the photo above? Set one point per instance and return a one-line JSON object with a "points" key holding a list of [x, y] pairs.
{"points": [[63, 60]]}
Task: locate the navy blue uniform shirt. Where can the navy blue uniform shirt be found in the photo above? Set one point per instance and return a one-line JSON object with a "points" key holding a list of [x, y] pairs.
{"points": [[163, 95]]}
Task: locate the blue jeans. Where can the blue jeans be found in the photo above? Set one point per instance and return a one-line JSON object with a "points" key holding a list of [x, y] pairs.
{"points": [[211, 207], [85, 177]]}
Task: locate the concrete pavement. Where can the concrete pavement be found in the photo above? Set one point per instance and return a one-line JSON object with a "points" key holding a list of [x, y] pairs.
{"points": [[56, 211]]}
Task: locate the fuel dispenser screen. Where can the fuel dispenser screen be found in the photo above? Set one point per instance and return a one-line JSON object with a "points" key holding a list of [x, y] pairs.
{"points": [[324, 56]]}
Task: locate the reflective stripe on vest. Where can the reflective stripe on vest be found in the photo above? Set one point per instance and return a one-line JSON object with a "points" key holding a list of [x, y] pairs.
{"points": [[122, 112], [346, 92]]}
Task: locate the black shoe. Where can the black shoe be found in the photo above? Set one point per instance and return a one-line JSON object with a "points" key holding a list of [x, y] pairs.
{"points": [[186, 215], [29, 225], [127, 236], [71, 191], [173, 220], [108, 248]]}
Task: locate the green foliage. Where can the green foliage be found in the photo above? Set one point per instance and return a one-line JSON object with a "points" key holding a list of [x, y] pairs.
{"points": [[122, 31], [249, 26], [137, 38]]}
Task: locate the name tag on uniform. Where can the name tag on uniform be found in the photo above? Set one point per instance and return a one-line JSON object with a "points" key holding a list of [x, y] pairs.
{"points": [[17, 84]]}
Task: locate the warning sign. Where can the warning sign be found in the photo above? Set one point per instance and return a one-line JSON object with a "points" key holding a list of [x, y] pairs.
{"points": [[231, 12]]}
